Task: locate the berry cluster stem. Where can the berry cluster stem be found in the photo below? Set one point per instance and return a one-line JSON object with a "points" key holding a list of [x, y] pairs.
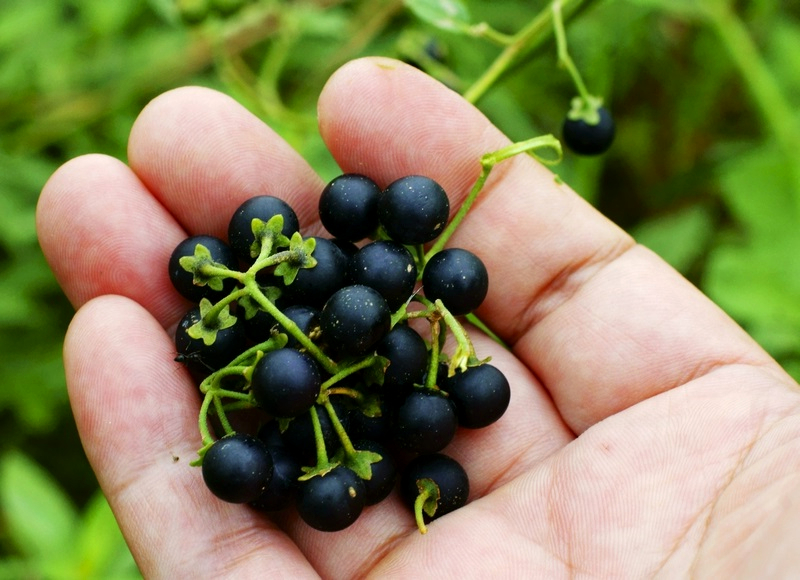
{"points": [[488, 161]]}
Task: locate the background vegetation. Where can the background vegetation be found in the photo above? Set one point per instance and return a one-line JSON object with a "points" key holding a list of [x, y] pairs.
{"points": [[704, 169]]}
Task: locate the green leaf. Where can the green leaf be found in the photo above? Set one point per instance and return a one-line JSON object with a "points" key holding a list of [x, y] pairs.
{"points": [[680, 237], [450, 15], [40, 518]]}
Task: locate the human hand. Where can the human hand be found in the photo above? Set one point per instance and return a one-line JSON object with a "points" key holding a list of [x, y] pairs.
{"points": [[647, 434]]}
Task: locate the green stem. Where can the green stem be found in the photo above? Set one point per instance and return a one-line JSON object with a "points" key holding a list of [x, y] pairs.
{"points": [[433, 357], [528, 38], [210, 317], [205, 433], [255, 292], [346, 372], [344, 438], [773, 107], [223, 417], [488, 161], [481, 325], [319, 439], [590, 115]]}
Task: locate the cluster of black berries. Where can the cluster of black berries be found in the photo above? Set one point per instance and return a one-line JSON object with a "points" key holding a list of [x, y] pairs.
{"points": [[341, 347]]}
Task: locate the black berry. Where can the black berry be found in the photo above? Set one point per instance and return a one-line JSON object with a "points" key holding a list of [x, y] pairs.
{"points": [[354, 319], [183, 280], [286, 382], [237, 468], [333, 501], [263, 207], [585, 139], [202, 358], [458, 278], [348, 207], [413, 209], [449, 476], [426, 422], [480, 394], [386, 266], [313, 286]]}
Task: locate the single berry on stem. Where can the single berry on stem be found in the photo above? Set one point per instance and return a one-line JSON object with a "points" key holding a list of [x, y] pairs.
{"points": [[237, 468], [263, 207], [386, 266], [286, 382], [480, 394], [413, 209], [458, 278], [348, 207], [586, 138], [433, 485], [331, 501], [219, 253]]}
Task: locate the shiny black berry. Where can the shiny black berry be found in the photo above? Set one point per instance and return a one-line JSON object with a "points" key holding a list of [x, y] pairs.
{"points": [[313, 286], [458, 278], [408, 357], [286, 382], [263, 207], [237, 468], [202, 358], [348, 207], [445, 472], [384, 472], [413, 209], [386, 266], [585, 139], [480, 394], [183, 280], [333, 501], [426, 422], [354, 319], [282, 488]]}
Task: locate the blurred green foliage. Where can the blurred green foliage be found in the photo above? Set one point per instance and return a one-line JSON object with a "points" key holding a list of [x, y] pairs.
{"points": [[704, 171]]}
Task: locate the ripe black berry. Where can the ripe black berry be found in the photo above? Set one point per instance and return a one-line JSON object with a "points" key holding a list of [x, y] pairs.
{"points": [[384, 472], [585, 139], [333, 501], [386, 266], [408, 357], [183, 280], [282, 488], [458, 278], [237, 468], [413, 209], [313, 286], [448, 475], [201, 358], [263, 207], [348, 207], [480, 394], [426, 422], [354, 319], [286, 382]]}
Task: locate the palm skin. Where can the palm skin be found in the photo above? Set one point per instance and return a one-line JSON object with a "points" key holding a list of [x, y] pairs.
{"points": [[647, 435]]}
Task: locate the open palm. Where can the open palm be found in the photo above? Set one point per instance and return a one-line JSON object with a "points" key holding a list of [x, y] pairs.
{"points": [[647, 434]]}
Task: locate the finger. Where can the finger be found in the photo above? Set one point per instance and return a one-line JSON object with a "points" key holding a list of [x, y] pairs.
{"points": [[603, 323], [202, 155], [103, 233], [137, 415]]}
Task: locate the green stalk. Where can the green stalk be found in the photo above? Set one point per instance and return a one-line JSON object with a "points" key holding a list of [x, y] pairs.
{"points": [[773, 107], [255, 292], [531, 36]]}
